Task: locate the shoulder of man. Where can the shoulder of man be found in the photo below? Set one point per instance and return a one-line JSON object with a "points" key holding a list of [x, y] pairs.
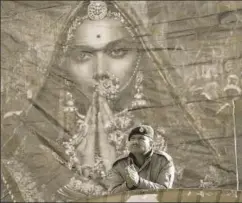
{"points": [[164, 155], [121, 158]]}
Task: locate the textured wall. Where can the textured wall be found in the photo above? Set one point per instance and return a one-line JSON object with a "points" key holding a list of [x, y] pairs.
{"points": [[197, 98]]}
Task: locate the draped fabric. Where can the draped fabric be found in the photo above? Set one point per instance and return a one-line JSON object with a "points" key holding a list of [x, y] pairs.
{"points": [[191, 66]]}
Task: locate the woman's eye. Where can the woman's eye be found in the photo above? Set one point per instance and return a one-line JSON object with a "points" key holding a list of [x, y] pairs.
{"points": [[117, 53], [81, 56]]}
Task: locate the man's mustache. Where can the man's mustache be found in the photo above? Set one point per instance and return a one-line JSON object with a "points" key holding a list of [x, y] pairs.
{"points": [[135, 145]]}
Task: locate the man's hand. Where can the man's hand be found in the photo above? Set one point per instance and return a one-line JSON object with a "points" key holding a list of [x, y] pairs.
{"points": [[132, 176]]}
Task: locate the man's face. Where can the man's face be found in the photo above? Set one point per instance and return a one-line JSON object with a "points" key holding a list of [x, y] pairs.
{"points": [[101, 47], [139, 144]]}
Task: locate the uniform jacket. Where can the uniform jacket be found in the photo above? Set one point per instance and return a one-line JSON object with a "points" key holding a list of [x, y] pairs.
{"points": [[157, 172]]}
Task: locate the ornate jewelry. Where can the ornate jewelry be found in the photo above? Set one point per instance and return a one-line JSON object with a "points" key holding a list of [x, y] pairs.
{"points": [[135, 71], [97, 10], [139, 100], [108, 87]]}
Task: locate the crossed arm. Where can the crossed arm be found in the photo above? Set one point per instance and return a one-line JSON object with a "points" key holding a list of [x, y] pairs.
{"points": [[165, 180]]}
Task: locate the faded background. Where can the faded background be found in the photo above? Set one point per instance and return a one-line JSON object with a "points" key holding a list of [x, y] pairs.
{"points": [[203, 40]]}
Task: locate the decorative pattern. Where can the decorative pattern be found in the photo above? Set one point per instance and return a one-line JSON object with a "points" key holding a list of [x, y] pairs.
{"points": [[108, 87], [83, 187], [8, 188], [97, 10], [118, 130], [139, 100], [26, 184]]}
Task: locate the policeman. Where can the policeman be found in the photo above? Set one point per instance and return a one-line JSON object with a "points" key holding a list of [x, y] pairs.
{"points": [[142, 168]]}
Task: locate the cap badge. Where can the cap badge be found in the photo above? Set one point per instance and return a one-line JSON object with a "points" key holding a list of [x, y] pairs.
{"points": [[141, 129]]}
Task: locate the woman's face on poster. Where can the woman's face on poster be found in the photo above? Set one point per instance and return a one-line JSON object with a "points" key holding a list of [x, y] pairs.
{"points": [[100, 48]]}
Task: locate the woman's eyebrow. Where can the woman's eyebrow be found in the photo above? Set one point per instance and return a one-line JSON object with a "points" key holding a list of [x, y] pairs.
{"points": [[84, 48], [124, 42]]}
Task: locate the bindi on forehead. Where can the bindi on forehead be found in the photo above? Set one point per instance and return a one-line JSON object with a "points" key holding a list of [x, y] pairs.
{"points": [[98, 34]]}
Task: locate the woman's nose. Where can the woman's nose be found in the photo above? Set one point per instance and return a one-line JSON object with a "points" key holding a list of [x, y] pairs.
{"points": [[100, 65]]}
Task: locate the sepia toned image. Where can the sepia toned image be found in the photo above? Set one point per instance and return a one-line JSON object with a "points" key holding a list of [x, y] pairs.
{"points": [[121, 101]]}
